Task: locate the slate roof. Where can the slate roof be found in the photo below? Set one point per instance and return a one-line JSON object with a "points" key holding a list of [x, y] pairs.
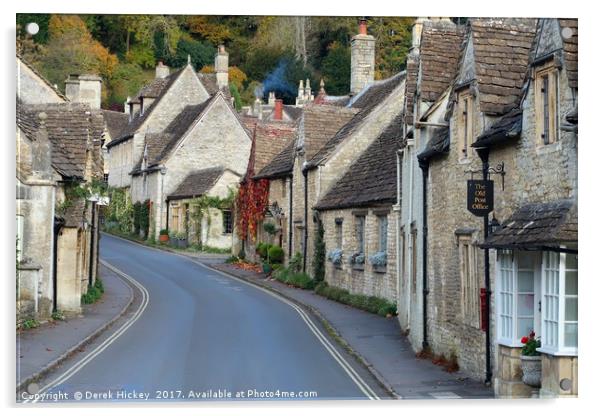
{"points": [[506, 128], [197, 183], [437, 145], [293, 112], [281, 165], [270, 139], [115, 121], [372, 178], [570, 45], [72, 128], [366, 101], [537, 226], [439, 55], [501, 55]]}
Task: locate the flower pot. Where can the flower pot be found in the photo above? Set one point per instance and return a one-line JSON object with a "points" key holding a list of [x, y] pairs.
{"points": [[266, 268], [182, 242], [163, 238], [531, 366]]}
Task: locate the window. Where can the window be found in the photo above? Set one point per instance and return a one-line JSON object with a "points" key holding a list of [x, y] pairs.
{"points": [[227, 219], [338, 231], [559, 303], [546, 98], [469, 281], [465, 122], [105, 177], [516, 296], [383, 228], [360, 233]]}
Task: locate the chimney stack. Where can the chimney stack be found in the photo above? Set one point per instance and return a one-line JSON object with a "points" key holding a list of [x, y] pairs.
{"points": [[85, 89], [278, 109], [271, 98], [221, 67], [161, 71], [362, 58]]}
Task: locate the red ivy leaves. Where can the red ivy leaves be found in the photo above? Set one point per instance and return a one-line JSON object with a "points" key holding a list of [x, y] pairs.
{"points": [[251, 203]]}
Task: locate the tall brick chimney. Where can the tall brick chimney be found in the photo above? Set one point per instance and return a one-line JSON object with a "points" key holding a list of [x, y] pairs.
{"points": [[161, 71], [362, 58], [278, 109], [221, 67], [85, 89]]}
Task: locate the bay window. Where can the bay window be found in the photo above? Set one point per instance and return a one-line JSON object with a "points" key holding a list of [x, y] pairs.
{"points": [[559, 304]]}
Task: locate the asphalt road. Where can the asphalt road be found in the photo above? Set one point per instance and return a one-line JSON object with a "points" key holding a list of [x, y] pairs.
{"points": [[194, 334]]}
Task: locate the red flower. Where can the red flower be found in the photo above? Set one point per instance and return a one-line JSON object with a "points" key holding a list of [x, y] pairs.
{"points": [[524, 340]]}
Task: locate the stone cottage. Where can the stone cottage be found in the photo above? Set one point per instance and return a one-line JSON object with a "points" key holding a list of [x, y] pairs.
{"points": [[534, 251], [359, 221], [179, 125], [58, 153], [491, 71], [431, 67]]}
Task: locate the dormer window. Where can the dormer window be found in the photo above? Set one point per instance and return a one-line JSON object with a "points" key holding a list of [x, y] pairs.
{"points": [[465, 123], [546, 103]]}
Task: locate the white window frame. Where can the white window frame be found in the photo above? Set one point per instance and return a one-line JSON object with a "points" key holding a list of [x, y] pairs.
{"points": [[512, 291], [546, 347]]}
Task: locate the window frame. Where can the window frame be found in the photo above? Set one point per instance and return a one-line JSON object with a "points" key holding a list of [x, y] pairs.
{"points": [[338, 232], [383, 232], [469, 281], [360, 236], [546, 104], [560, 349], [227, 213]]}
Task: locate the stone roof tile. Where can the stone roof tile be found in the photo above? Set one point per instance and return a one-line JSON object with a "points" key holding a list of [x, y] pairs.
{"points": [[197, 183]]}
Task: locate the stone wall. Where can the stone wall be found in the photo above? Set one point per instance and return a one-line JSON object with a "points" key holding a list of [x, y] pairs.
{"points": [[120, 161], [367, 280], [31, 89]]}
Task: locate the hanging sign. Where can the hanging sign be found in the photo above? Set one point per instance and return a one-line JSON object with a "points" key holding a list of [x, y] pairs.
{"points": [[480, 197]]}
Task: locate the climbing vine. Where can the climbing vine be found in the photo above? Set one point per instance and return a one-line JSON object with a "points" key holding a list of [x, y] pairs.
{"points": [[253, 198], [319, 253], [200, 210], [78, 190], [120, 211]]}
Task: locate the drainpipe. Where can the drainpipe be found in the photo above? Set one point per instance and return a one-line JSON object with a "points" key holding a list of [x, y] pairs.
{"points": [[290, 218], [58, 225], [484, 155], [305, 215], [167, 214], [397, 227], [425, 291], [92, 239]]}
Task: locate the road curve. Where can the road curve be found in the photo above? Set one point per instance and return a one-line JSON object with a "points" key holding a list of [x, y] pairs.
{"points": [[203, 335]]}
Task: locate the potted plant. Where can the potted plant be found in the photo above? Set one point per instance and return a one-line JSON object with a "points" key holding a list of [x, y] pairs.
{"points": [[357, 260], [530, 360], [335, 256], [182, 240], [378, 261], [163, 236]]}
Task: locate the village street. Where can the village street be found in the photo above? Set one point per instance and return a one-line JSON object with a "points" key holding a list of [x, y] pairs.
{"points": [[202, 333]]}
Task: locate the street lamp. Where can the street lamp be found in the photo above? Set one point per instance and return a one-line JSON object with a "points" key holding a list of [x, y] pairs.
{"points": [[494, 225]]}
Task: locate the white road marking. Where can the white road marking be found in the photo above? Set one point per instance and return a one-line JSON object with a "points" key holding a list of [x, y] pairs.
{"points": [[356, 378], [445, 395], [95, 352]]}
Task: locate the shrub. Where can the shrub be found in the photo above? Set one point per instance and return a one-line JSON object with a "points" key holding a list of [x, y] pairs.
{"points": [[372, 304], [281, 274], [99, 285], [164, 232], [94, 292], [296, 263], [57, 316], [301, 280], [262, 250], [231, 259], [275, 254], [270, 228], [29, 324]]}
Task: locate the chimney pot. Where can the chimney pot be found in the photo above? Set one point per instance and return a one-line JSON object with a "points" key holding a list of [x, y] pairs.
{"points": [[363, 27], [278, 109]]}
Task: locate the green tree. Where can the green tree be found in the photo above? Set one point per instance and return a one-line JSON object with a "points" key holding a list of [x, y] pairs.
{"points": [[336, 69], [236, 95], [23, 19], [201, 54]]}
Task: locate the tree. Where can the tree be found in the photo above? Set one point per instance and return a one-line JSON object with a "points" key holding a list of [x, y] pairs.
{"points": [[336, 69], [236, 95], [125, 81], [23, 19], [201, 54], [71, 49]]}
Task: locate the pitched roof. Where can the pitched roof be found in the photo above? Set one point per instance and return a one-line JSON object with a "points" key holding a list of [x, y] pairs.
{"points": [[507, 127], [115, 121], [570, 45], [72, 129], [537, 226], [197, 183], [437, 145], [366, 101], [439, 55], [501, 55], [270, 139], [371, 179], [281, 165]]}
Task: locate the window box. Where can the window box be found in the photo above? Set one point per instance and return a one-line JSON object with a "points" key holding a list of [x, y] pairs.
{"points": [[380, 269], [335, 256]]}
